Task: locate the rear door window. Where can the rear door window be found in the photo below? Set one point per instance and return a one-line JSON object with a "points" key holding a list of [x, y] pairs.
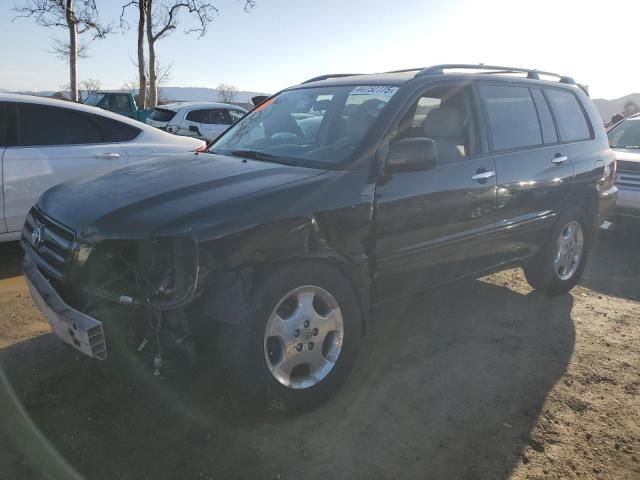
{"points": [[40, 125], [162, 115], [210, 116], [512, 115], [572, 122], [549, 134]]}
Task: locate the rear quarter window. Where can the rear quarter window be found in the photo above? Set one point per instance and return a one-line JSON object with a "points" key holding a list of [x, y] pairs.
{"points": [[572, 122], [162, 115], [113, 131]]}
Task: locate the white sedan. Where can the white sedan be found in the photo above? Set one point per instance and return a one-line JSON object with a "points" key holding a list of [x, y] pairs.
{"points": [[206, 120], [44, 142]]}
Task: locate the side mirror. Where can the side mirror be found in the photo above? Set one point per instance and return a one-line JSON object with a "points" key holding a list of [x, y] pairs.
{"points": [[412, 154], [194, 129]]}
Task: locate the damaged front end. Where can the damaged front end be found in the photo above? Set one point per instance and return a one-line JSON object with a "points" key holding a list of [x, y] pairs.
{"points": [[143, 290], [138, 291]]}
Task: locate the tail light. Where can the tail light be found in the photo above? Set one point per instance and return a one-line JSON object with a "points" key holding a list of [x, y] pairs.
{"points": [[610, 174]]}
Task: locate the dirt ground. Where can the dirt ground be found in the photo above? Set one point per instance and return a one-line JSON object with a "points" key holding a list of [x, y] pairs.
{"points": [[483, 380]]}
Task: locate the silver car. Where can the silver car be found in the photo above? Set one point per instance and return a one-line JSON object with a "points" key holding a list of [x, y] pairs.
{"points": [[204, 120], [624, 139]]}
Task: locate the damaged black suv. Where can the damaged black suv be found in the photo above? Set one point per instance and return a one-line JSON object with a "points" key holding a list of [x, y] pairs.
{"points": [[328, 198]]}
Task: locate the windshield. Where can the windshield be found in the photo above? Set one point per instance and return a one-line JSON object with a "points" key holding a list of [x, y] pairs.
{"points": [[94, 99], [310, 127], [626, 135]]}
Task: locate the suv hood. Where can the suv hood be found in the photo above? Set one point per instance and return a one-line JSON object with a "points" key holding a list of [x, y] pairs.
{"points": [[170, 196]]}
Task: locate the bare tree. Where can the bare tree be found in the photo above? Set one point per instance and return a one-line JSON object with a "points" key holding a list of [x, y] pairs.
{"points": [[78, 17], [162, 19], [141, 6], [90, 85], [226, 92], [131, 86], [164, 73]]}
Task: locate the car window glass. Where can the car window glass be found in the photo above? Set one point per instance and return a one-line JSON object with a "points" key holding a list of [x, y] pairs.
{"points": [[512, 116], [626, 135], [235, 115], [162, 115], [444, 115], [572, 123], [195, 116], [217, 117], [316, 125], [3, 125], [39, 125], [119, 103], [112, 131], [549, 134], [94, 99]]}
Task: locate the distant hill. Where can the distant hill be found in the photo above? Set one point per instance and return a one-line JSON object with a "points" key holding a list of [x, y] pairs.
{"points": [[607, 108], [200, 94]]}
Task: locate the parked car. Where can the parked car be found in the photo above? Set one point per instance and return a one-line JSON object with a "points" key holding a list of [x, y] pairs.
{"points": [[624, 139], [284, 236], [123, 103], [204, 120], [44, 142]]}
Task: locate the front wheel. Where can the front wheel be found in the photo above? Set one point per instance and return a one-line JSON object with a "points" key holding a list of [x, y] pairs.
{"points": [[301, 340], [559, 265]]}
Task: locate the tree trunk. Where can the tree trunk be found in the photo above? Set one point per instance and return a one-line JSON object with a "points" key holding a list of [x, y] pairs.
{"points": [[142, 73], [153, 78], [73, 51]]}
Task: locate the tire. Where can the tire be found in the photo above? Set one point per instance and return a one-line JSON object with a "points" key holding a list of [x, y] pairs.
{"points": [[547, 272], [259, 365]]}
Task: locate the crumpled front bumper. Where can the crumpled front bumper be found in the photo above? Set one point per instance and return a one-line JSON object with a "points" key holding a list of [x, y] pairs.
{"points": [[74, 327]]}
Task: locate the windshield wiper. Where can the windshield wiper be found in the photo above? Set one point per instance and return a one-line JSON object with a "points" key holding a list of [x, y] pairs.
{"points": [[258, 155], [627, 147]]}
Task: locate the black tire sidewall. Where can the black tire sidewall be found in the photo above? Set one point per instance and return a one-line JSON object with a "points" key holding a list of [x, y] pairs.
{"points": [[257, 386], [541, 272]]}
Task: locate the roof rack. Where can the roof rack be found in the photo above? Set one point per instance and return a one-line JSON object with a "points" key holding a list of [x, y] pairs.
{"points": [[531, 73], [330, 75]]}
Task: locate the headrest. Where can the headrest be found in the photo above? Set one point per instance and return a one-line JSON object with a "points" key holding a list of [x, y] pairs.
{"points": [[443, 122]]}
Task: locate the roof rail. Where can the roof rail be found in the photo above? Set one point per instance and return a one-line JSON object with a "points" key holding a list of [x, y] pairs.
{"points": [[406, 70], [330, 75], [531, 73]]}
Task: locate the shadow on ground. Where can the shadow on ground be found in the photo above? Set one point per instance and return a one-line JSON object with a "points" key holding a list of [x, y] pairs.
{"points": [[10, 260], [448, 385], [614, 263]]}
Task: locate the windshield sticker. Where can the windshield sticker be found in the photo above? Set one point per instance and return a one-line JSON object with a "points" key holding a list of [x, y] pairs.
{"points": [[381, 90]]}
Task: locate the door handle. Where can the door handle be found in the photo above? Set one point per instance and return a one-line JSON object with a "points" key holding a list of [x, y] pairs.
{"points": [[107, 156], [559, 159], [478, 177]]}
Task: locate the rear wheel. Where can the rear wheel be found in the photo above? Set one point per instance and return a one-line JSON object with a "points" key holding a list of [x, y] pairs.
{"points": [[300, 342], [559, 265]]}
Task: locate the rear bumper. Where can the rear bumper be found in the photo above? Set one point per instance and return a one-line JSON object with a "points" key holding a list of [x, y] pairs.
{"points": [[74, 327]]}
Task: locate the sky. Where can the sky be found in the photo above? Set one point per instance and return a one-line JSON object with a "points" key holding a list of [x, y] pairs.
{"points": [[283, 42]]}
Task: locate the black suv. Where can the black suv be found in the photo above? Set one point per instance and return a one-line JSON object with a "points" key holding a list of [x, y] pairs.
{"points": [[330, 197]]}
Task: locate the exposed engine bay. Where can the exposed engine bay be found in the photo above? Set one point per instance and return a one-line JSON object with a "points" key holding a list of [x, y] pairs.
{"points": [[141, 290]]}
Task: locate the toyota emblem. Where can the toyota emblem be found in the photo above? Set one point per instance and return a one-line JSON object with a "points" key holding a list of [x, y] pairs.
{"points": [[36, 235]]}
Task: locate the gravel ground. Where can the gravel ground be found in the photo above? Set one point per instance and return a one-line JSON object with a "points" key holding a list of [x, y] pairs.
{"points": [[482, 380]]}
